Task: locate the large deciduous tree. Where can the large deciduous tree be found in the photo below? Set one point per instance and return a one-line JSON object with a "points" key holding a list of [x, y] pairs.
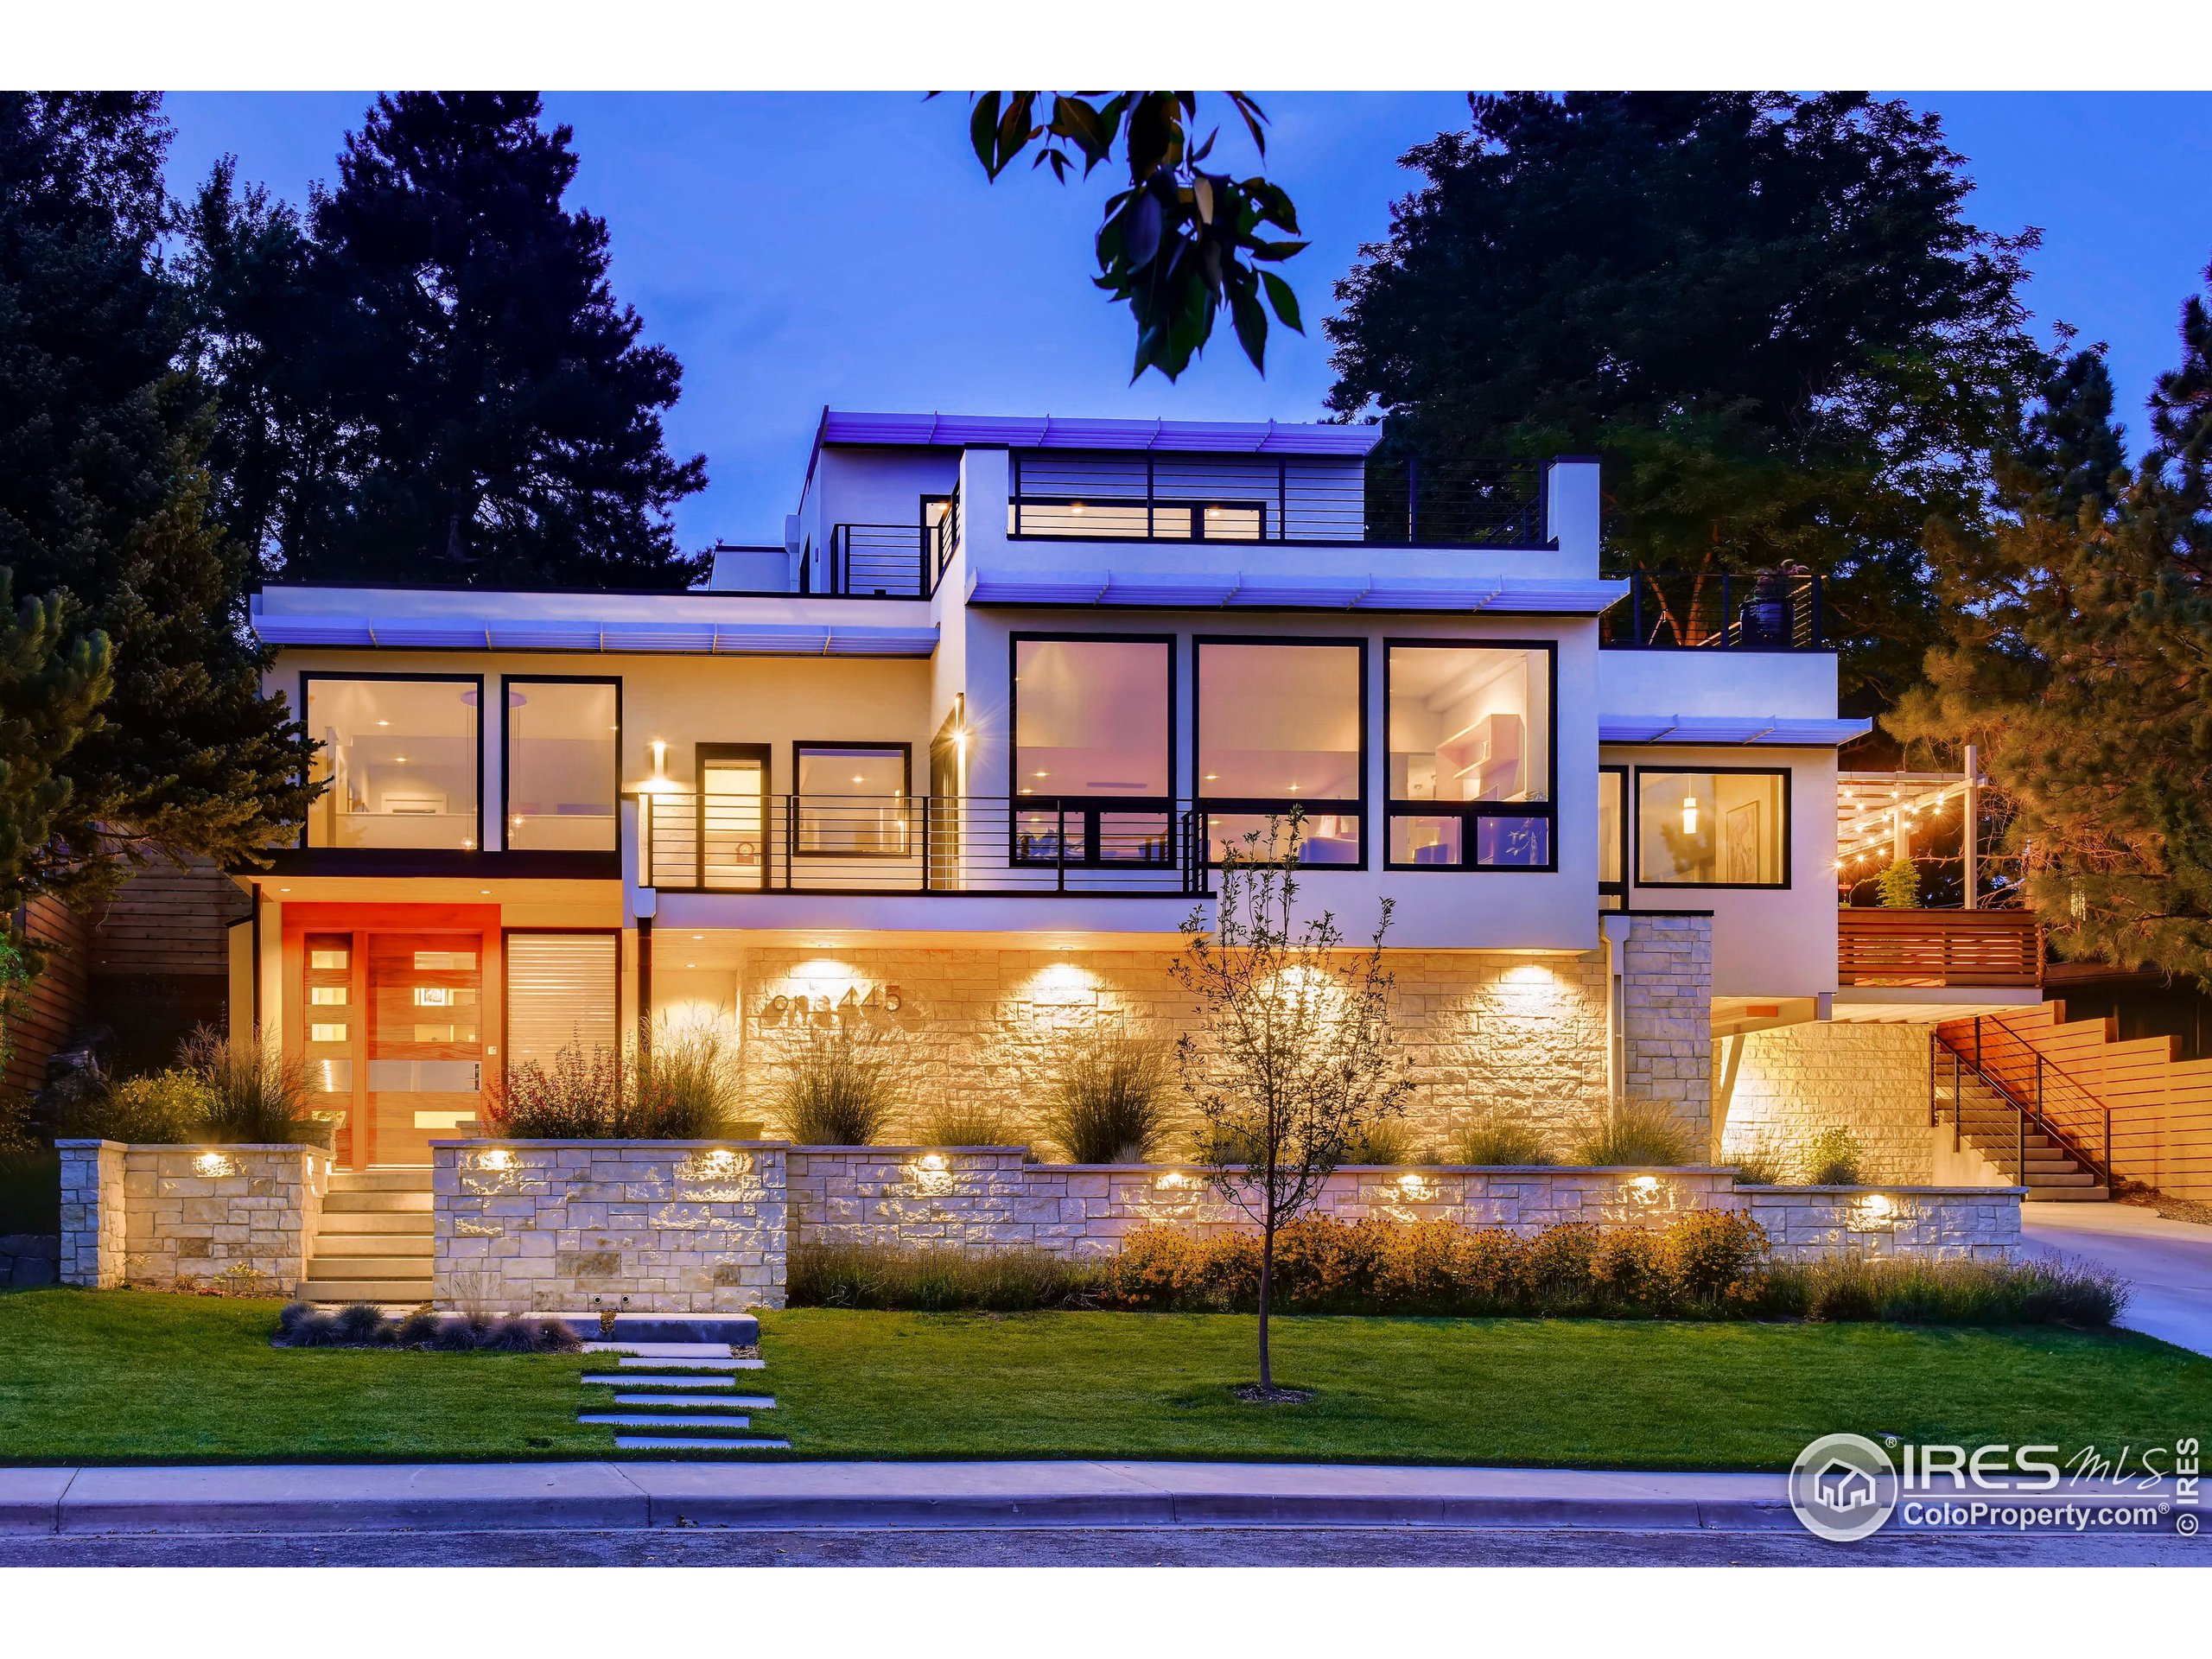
{"points": [[104, 495], [1768, 314], [427, 376], [2080, 659]]}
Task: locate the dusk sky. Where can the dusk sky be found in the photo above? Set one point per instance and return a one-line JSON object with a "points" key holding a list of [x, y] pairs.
{"points": [[801, 248]]}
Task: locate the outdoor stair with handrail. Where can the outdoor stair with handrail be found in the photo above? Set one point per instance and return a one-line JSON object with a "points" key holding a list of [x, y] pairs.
{"points": [[2020, 1109]]}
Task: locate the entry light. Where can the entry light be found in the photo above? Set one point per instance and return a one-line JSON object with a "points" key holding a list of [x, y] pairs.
{"points": [[660, 758], [1689, 815]]}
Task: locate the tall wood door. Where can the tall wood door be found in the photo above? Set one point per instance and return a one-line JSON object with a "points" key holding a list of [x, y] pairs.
{"points": [[425, 1041]]}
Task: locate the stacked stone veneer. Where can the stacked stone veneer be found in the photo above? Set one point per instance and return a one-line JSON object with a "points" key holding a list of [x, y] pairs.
{"points": [[1483, 1032], [1777, 1089], [570, 1226], [240, 1220], [985, 1197]]}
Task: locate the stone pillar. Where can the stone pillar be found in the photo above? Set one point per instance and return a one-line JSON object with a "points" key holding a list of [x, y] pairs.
{"points": [[92, 1213], [1666, 1019]]}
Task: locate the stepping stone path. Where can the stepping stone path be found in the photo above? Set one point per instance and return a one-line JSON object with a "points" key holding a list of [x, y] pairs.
{"points": [[680, 1396]]}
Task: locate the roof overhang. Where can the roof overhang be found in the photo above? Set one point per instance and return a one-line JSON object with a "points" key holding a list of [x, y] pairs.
{"points": [[1241, 590], [1051, 432], [684, 638], [1723, 731]]}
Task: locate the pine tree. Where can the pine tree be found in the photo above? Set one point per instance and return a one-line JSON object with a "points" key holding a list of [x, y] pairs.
{"points": [[53, 681], [2081, 660], [428, 377], [1768, 314], [103, 497]]}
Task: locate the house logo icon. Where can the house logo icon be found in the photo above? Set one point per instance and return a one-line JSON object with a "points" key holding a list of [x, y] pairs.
{"points": [[1843, 1487]]}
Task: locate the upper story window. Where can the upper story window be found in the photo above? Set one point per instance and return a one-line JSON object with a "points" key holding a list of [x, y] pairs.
{"points": [[1612, 838], [1093, 743], [853, 799], [1470, 756], [1728, 827], [563, 760], [1282, 725], [401, 754]]}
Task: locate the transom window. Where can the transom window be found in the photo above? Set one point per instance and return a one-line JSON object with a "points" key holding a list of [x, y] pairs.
{"points": [[1471, 757], [1093, 749], [1728, 827], [400, 755], [1281, 725]]}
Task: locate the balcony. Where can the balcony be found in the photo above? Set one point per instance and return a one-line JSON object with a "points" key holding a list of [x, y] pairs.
{"points": [[883, 561], [1949, 949], [1717, 610]]}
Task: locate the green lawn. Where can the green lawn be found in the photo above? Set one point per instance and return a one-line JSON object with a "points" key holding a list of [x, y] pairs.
{"points": [[122, 1377]]}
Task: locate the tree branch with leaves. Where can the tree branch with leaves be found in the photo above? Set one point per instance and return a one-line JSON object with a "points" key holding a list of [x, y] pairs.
{"points": [[1181, 243]]}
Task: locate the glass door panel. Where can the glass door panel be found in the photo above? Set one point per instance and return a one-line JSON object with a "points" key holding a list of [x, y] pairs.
{"points": [[733, 820]]}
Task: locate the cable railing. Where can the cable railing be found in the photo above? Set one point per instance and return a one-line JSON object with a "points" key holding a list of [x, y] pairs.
{"points": [[1670, 610], [1175, 498], [2031, 1093]]}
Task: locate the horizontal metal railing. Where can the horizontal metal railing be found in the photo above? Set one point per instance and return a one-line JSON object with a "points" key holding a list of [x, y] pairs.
{"points": [[1179, 497], [2034, 1092], [1772, 610], [1134, 846], [883, 561]]}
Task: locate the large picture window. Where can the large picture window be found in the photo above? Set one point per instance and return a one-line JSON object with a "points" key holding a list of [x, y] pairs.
{"points": [[852, 799], [1093, 749], [562, 767], [1471, 757], [1725, 828], [401, 756], [1282, 725]]}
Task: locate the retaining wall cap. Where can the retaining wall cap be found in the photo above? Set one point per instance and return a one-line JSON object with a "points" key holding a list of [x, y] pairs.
{"points": [[63, 1145], [610, 1141], [1916, 1191]]}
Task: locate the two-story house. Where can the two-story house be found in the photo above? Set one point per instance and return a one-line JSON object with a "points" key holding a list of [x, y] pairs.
{"points": [[960, 755]]}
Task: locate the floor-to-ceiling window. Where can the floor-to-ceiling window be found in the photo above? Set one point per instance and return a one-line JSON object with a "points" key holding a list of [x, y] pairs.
{"points": [[401, 755], [1093, 749], [563, 739], [1281, 728], [1470, 756]]}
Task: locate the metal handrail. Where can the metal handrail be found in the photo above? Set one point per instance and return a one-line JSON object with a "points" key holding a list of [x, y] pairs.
{"points": [[2038, 1090], [1764, 610]]}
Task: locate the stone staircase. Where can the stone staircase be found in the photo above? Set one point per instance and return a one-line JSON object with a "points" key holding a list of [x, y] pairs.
{"points": [[1990, 1123], [374, 1243]]}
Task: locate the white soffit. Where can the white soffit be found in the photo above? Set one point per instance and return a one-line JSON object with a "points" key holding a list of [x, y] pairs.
{"points": [[692, 639], [1723, 731], [1240, 590]]}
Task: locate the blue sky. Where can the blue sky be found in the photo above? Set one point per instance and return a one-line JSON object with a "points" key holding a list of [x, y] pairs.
{"points": [[799, 249]]}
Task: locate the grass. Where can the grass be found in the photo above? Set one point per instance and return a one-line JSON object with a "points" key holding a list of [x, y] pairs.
{"points": [[124, 1377]]}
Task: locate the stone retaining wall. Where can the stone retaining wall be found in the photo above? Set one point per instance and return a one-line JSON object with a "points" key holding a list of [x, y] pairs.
{"points": [[29, 1259], [571, 1226], [985, 1196], [237, 1219]]}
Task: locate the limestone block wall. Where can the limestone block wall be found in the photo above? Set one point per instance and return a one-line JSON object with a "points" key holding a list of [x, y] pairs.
{"points": [[239, 1219], [571, 1226], [1777, 1089], [1803, 1223], [28, 1260]]}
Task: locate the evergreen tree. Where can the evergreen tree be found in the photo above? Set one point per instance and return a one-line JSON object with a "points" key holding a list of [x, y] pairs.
{"points": [[1768, 314], [103, 498], [2081, 660], [428, 377], [52, 684]]}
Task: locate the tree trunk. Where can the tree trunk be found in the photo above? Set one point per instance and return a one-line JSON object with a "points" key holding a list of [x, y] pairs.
{"points": [[1266, 1284]]}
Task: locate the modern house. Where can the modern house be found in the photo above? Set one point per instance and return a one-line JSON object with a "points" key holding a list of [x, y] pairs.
{"points": [[959, 756]]}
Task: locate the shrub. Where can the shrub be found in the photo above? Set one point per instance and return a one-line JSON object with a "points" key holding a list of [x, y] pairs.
{"points": [[1761, 1164], [685, 1091], [1109, 1101], [1835, 1158], [1908, 1292], [1387, 1141], [169, 1107], [1897, 887], [836, 1090], [823, 1273], [1705, 1256], [1639, 1133], [962, 1124], [363, 1325], [574, 1098], [1496, 1140], [258, 1093]]}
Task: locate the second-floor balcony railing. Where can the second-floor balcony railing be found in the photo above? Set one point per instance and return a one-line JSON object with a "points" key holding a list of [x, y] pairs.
{"points": [[1171, 498], [883, 561], [1768, 610], [1134, 846]]}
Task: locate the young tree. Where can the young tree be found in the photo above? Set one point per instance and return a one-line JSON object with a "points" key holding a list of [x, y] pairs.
{"points": [[428, 377], [103, 497], [1768, 314], [2080, 660], [1296, 1062], [1181, 243]]}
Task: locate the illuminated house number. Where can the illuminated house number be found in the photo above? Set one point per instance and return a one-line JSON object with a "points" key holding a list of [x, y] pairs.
{"points": [[876, 999]]}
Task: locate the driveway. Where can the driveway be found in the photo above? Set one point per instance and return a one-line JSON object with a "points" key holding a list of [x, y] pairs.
{"points": [[2168, 1264]]}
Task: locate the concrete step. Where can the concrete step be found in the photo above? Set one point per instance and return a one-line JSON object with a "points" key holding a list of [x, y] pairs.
{"points": [[376, 1203], [385, 1244], [646, 1380], [688, 1421], [412, 1269], [697, 1402], [407, 1293], [656, 1371], [2069, 1194], [405, 1223], [380, 1180], [677, 1443]]}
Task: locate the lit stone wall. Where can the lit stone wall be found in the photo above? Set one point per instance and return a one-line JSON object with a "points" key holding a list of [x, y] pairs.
{"points": [[572, 1226], [1485, 1032], [985, 1197], [1792, 1082], [237, 1219]]}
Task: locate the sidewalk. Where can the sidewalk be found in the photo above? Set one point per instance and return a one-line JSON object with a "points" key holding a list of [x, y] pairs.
{"points": [[478, 1497]]}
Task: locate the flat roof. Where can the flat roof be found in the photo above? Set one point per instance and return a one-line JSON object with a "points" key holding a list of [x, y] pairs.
{"points": [[856, 427]]}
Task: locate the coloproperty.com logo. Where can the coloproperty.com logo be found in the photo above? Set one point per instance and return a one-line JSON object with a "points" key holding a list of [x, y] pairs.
{"points": [[1846, 1487]]}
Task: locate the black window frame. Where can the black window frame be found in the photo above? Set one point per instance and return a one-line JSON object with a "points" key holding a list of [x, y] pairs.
{"points": [[1619, 889], [308, 676], [507, 750], [1470, 813], [1634, 869], [1206, 806], [1088, 811], [797, 830], [707, 750]]}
